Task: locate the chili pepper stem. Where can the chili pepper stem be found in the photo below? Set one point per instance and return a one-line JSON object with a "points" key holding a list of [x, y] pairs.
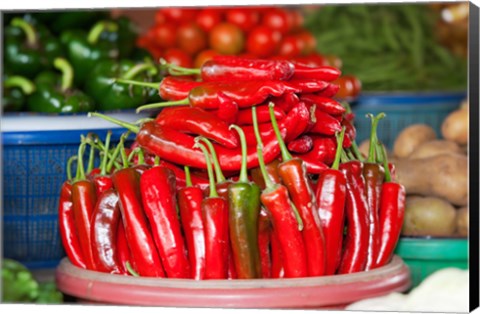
{"points": [[338, 153], [283, 148], [80, 175], [67, 72], [373, 136], [357, 152], [103, 166], [114, 155], [188, 177], [27, 28], [21, 82], [153, 85], [139, 68], [211, 178], [218, 170], [94, 34], [388, 175], [243, 177], [69, 167], [129, 126], [182, 102], [131, 270], [268, 182], [178, 70], [91, 157]]}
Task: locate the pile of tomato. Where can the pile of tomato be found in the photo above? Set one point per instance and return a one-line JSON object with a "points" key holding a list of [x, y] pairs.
{"points": [[190, 36]]}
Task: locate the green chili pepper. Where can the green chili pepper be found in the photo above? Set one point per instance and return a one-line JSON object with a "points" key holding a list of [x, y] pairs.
{"points": [[244, 209], [60, 98], [15, 92], [110, 95]]}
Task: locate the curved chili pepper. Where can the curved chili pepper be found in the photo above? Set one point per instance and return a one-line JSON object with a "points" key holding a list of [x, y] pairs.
{"points": [[244, 116], [391, 214], [286, 223], [354, 256], [374, 174], [301, 145], [330, 194], [325, 73], [330, 91], [142, 246], [294, 176], [244, 208], [68, 232], [158, 194], [198, 121], [312, 165], [215, 222], [123, 251], [190, 199], [325, 104], [224, 68], [301, 86], [105, 221]]}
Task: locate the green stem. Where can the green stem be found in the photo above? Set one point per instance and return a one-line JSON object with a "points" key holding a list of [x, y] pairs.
{"points": [[344, 157], [95, 32], [153, 85], [129, 126], [80, 175], [139, 153], [188, 177], [103, 166], [268, 182], [27, 28], [67, 72], [116, 152], [21, 82], [243, 177], [216, 164], [388, 175], [338, 153], [131, 270], [373, 135], [124, 156], [91, 157], [69, 167], [182, 102], [357, 152], [137, 69], [178, 70], [211, 178], [283, 148], [156, 161]]}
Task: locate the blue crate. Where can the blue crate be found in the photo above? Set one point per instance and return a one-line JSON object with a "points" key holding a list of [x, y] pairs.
{"points": [[34, 168], [402, 110]]}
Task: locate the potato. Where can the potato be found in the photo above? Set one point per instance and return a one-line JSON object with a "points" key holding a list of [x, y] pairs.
{"points": [[411, 137], [428, 216], [444, 176], [435, 147], [455, 126], [462, 221]]}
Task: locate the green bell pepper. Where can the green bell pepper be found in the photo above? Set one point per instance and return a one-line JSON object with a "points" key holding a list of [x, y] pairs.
{"points": [[110, 95], [84, 51], [15, 92], [79, 19], [28, 51], [125, 38], [63, 98]]}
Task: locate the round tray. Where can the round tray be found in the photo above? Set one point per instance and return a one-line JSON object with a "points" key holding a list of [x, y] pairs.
{"points": [[312, 292]]}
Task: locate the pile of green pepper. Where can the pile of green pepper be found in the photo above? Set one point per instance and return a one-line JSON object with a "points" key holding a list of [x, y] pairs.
{"points": [[67, 62]]}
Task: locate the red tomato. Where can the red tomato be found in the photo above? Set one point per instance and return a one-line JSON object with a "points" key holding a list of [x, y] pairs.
{"points": [[204, 56], [263, 41], [178, 57], [308, 42], [245, 18], [163, 35], [290, 46], [208, 18], [277, 19], [350, 86], [227, 38], [295, 20], [191, 38], [179, 15], [160, 17]]}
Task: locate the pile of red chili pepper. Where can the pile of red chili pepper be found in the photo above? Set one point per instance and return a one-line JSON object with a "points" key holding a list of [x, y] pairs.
{"points": [[251, 171]]}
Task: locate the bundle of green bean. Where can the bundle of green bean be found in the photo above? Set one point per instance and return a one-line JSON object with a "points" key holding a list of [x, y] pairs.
{"points": [[389, 47]]}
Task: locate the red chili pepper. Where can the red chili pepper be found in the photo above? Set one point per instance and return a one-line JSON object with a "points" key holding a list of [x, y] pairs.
{"points": [[272, 172], [142, 246], [215, 220], [285, 102], [264, 230], [354, 255], [123, 251], [330, 194], [225, 68], [244, 116], [227, 110], [294, 176], [391, 215], [330, 91], [324, 123], [324, 73], [285, 219], [276, 255], [198, 121], [312, 165], [68, 232], [323, 149], [104, 232], [301, 145], [301, 86], [180, 176], [325, 104], [84, 199], [158, 193], [189, 203]]}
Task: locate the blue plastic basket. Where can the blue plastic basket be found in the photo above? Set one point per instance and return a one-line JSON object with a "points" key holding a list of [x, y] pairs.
{"points": [[34, 168], [402, 110]]}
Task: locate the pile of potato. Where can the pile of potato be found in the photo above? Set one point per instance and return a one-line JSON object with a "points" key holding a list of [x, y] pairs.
{"points": [[434, 172]]}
